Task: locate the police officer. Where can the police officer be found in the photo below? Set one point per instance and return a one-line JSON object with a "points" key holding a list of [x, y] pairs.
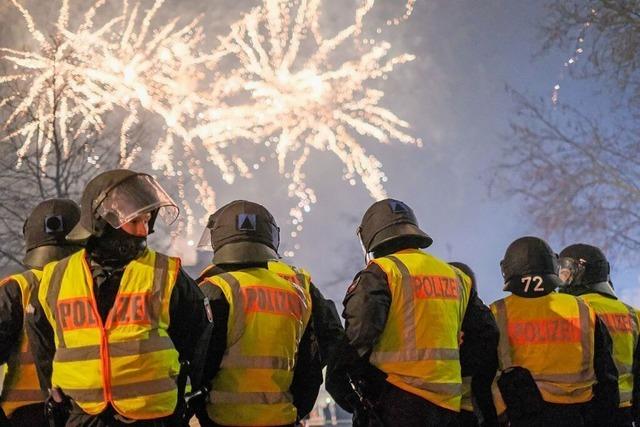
{"points": [[584, 270], [481, 335], [403, 316], [44, 231], [262, 329], [554, 353], [118, 316], [324, 317]]}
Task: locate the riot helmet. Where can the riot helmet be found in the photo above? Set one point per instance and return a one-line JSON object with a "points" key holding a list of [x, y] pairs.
{"points": [[116, 197], [241, 232], [387, 221], [584, 268], [466, 270], [530, 266], [45, 232]]}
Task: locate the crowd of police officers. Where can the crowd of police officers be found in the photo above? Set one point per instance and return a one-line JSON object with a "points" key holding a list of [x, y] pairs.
{"points": [[101, 330]]}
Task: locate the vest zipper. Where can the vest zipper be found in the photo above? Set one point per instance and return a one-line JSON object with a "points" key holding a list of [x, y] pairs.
{"points": [[104, 346]]}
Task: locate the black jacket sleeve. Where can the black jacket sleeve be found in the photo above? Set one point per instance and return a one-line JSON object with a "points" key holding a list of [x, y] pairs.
{"points": [[326, 325], [11, 318], [479, 355], [187, 315], [606, 394], [366, 307], [41, 340], [307, 374], [218, 344]]}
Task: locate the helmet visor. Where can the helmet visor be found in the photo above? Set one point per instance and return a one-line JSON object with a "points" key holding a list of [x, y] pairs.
{"points": [[569, 269], [204, 244], [135, 196]]}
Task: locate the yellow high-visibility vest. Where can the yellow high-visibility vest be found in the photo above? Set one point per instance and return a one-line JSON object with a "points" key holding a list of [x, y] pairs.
{"points": [[267, 317], [21, 385], [621, 321], [419, 346], [129, 361], [553, 337]]}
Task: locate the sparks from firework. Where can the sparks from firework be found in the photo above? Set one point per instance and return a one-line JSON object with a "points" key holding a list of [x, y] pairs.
{"points": [[298, 103], [124, 65], [295, 103]]}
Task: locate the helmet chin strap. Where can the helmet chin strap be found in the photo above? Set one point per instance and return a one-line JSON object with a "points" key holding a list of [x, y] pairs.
{"points": [[367, 255]]}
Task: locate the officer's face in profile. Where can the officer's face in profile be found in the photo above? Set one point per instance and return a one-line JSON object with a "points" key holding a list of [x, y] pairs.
{"points": [[139, 226]]}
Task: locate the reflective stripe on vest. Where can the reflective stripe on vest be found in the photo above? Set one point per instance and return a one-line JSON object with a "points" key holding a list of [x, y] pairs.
{"points": [[621, 321], [419, 348], [551, 336], [267, 317], [100, 363], [21, 385]]}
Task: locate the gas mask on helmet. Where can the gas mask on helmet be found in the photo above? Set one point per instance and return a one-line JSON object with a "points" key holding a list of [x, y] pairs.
{"points": [[571, 270]]}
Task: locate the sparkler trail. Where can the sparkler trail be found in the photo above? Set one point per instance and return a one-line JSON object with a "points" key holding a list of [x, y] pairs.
{"points": [[275, 80]]}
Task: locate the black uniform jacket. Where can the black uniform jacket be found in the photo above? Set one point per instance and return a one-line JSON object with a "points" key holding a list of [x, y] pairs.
{"points": [[11, 319], [366, 307], [187, 317], [307, 376]]}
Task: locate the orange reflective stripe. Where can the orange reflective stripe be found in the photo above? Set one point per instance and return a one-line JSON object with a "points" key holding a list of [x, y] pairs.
{"points": [[123, 391], [411, 355], [585, 323], [444, 388], [239, 311], [76, 354], [160, 273], [634, 320], [258, 362], [20, 395], [133, 348], [410, 312], [55, 284], [142, 388], [551, 388], [504, 348], [565, 378], [265, 398]]}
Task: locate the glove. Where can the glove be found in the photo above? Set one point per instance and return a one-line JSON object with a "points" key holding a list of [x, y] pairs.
{"points": [[57, 408]]}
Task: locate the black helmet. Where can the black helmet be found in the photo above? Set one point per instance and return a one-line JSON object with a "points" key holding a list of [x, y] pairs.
{"points": [[117, 196], [388, 220], [45, 232], [466, 270], [584, 267], [242, 232], [528, 257]]}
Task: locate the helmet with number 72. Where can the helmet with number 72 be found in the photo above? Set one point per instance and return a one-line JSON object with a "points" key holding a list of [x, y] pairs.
{"points": [[529, 257]]}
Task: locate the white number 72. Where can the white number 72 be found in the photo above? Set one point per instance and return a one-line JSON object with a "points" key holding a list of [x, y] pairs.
{"points": [[537, 280]]}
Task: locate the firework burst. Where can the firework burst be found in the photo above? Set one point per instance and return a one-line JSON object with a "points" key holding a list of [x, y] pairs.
{"points": [[275, 80], [299, 102]]}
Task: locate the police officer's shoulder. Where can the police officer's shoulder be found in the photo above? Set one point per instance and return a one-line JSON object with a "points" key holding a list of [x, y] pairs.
{"points": [[372, 275]]}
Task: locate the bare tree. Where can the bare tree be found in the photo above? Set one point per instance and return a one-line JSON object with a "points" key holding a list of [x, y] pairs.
{"points": [[579, 174], [61, 170]]}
